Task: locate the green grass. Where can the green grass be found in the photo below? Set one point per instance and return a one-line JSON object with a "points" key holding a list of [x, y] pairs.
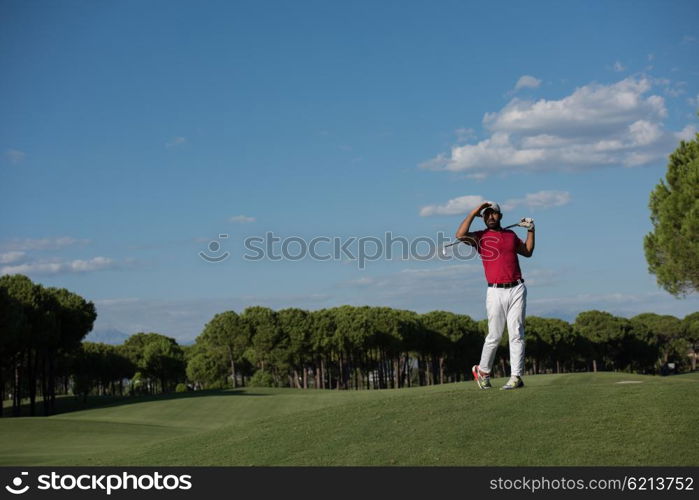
{"points": [[573, 419]]}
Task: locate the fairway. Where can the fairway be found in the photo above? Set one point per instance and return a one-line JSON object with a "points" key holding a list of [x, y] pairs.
{"points": [[570, 419]]}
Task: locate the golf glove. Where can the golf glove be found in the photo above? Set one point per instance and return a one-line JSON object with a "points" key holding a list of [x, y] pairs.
{"points": [[527, 222]]}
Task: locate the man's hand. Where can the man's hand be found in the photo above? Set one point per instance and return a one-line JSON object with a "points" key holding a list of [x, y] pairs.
{"points": [[526, 248], [483, 206], [527, 222], [463, 233]]}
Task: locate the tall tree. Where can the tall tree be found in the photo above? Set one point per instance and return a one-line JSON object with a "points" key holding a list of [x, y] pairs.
{"points": [[85, 368], [164, 361], [691, 334], [205, 369], [296, 326], [665, 331], [100, 367], [323, 323], [157, 357], [39, 308], [12, 324], [266, 337], [74, 319], [605, 332], [672, 248], [230, 334], [539, 342], [550, 343]]}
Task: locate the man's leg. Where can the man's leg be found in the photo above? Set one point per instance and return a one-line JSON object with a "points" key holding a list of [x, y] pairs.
{"points": [[515, 328], [496, 325]]}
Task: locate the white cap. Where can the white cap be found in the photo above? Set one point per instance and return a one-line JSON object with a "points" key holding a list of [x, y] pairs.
{"points": [[493, 206]]}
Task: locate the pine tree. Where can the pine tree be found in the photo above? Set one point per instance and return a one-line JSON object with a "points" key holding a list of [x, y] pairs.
{"points": [[672, 248]]}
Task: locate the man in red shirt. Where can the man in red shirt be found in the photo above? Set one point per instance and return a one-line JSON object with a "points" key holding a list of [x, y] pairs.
{"points": [[506, 299]]}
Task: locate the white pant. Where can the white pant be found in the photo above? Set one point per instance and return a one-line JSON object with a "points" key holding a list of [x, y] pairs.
{"points": [[505, 306]]}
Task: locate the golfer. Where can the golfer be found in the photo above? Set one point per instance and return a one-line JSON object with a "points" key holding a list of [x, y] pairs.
{"points": [[506, 298]]}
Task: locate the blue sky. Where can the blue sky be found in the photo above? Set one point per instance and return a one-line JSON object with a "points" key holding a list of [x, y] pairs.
{"points": [[134, 133]]}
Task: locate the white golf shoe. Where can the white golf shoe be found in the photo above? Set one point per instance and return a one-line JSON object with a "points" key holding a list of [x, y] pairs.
{"points": [[515, 382]]}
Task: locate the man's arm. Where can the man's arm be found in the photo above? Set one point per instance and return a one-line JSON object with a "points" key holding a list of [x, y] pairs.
{"points": [[463, 232], [526, 249]]}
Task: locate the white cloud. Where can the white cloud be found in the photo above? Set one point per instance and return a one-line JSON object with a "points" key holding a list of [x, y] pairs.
{"points": [[618, 67], [586, 109], [459, 288], [464, 204], [242, 219], [541, 199], [15, 156], [185, 319], [620, 304], [687, 134], [455, 287], [454, 206], [595, 126], [432, 282], [675, 91], [55, 243], [176, 141], [60, 267], [11, 257], [464, 134], [115, 302], [527, 81], [361, 281], [671, 88], [27, 256]]}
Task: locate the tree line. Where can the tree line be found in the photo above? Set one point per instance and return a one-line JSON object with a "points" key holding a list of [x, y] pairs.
{"points": [[40, 329], [367, 347], [43, 352]]}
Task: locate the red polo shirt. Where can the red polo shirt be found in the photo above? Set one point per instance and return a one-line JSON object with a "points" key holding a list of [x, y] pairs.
{"points": [[498, 251]]}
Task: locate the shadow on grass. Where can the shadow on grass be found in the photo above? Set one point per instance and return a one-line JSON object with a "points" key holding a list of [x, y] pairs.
{"points": [[68, 404]]}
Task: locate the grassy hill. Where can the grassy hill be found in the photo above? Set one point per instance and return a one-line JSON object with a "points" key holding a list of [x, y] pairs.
{"points": [[572, 419]]}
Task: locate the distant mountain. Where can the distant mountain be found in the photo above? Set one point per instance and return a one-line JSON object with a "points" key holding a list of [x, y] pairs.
{"points": [[107, 336]]}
